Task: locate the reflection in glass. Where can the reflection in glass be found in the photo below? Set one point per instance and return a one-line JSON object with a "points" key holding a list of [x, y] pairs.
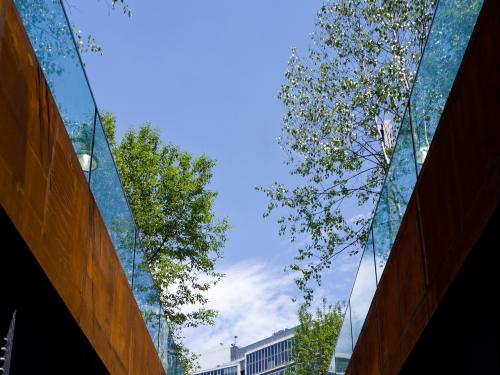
{"points": [[422, 142], [163, 339], [343, 348], [108, 193], [450, 34], [363, 290], [448, 37], [395, 194], [52, 41], [174, 366], [146, 294], [82, 140]]}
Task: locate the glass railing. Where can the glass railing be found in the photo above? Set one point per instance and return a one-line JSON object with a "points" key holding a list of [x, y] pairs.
{"points": [[448, 38], [51, 36], [174, 365]]}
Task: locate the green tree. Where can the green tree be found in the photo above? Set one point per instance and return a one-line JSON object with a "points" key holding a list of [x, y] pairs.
{"points": [[167, 190], [343, 103], [182, 239], [188, 360], [314, 340]]}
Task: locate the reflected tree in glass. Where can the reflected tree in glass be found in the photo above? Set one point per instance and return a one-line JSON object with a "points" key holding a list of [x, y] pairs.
{"points": [[146, 294], [451, 30], [109, 195], [57, 54], [345, 100], [395, 195], [344, 347], [363, 290]]}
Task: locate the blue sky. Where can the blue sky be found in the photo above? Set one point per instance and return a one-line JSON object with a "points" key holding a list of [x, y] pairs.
{"points": [[206, 73]]}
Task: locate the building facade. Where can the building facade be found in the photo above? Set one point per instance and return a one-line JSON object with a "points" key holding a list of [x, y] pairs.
{"points": [[228, 369], [270, 356]]}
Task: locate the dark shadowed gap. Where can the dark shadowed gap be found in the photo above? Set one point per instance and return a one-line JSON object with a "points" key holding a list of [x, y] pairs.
{"points": [[463, 336]]}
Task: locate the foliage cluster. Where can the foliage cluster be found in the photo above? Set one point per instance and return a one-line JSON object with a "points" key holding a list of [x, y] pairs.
{"points": [[315, 339], [168, 193], [343, 102]]}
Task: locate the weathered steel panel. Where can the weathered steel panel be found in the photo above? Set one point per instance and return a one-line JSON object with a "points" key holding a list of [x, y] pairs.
{"points": [[456, 195], [46, 196]]}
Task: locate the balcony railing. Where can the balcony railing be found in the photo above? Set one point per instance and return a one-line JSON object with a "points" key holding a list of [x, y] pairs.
{"points": [[51, 36], [448, 38]]}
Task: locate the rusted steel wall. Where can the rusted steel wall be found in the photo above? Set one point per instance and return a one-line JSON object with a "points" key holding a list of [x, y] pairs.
{"points": [[45, 194], [455, 196]]}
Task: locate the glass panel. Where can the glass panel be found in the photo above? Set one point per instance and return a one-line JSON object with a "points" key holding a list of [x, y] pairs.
{"points": [[453, 23], [174, 365], [145, 294], [110, 198], [163, 339], [343, 348], [363, 290], [381, 232], [331, 368], [451, 30], [394, 196], [52, 40]]}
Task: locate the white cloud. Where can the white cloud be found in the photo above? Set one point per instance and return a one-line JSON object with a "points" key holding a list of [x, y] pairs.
{"points": [[254, 300]]}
